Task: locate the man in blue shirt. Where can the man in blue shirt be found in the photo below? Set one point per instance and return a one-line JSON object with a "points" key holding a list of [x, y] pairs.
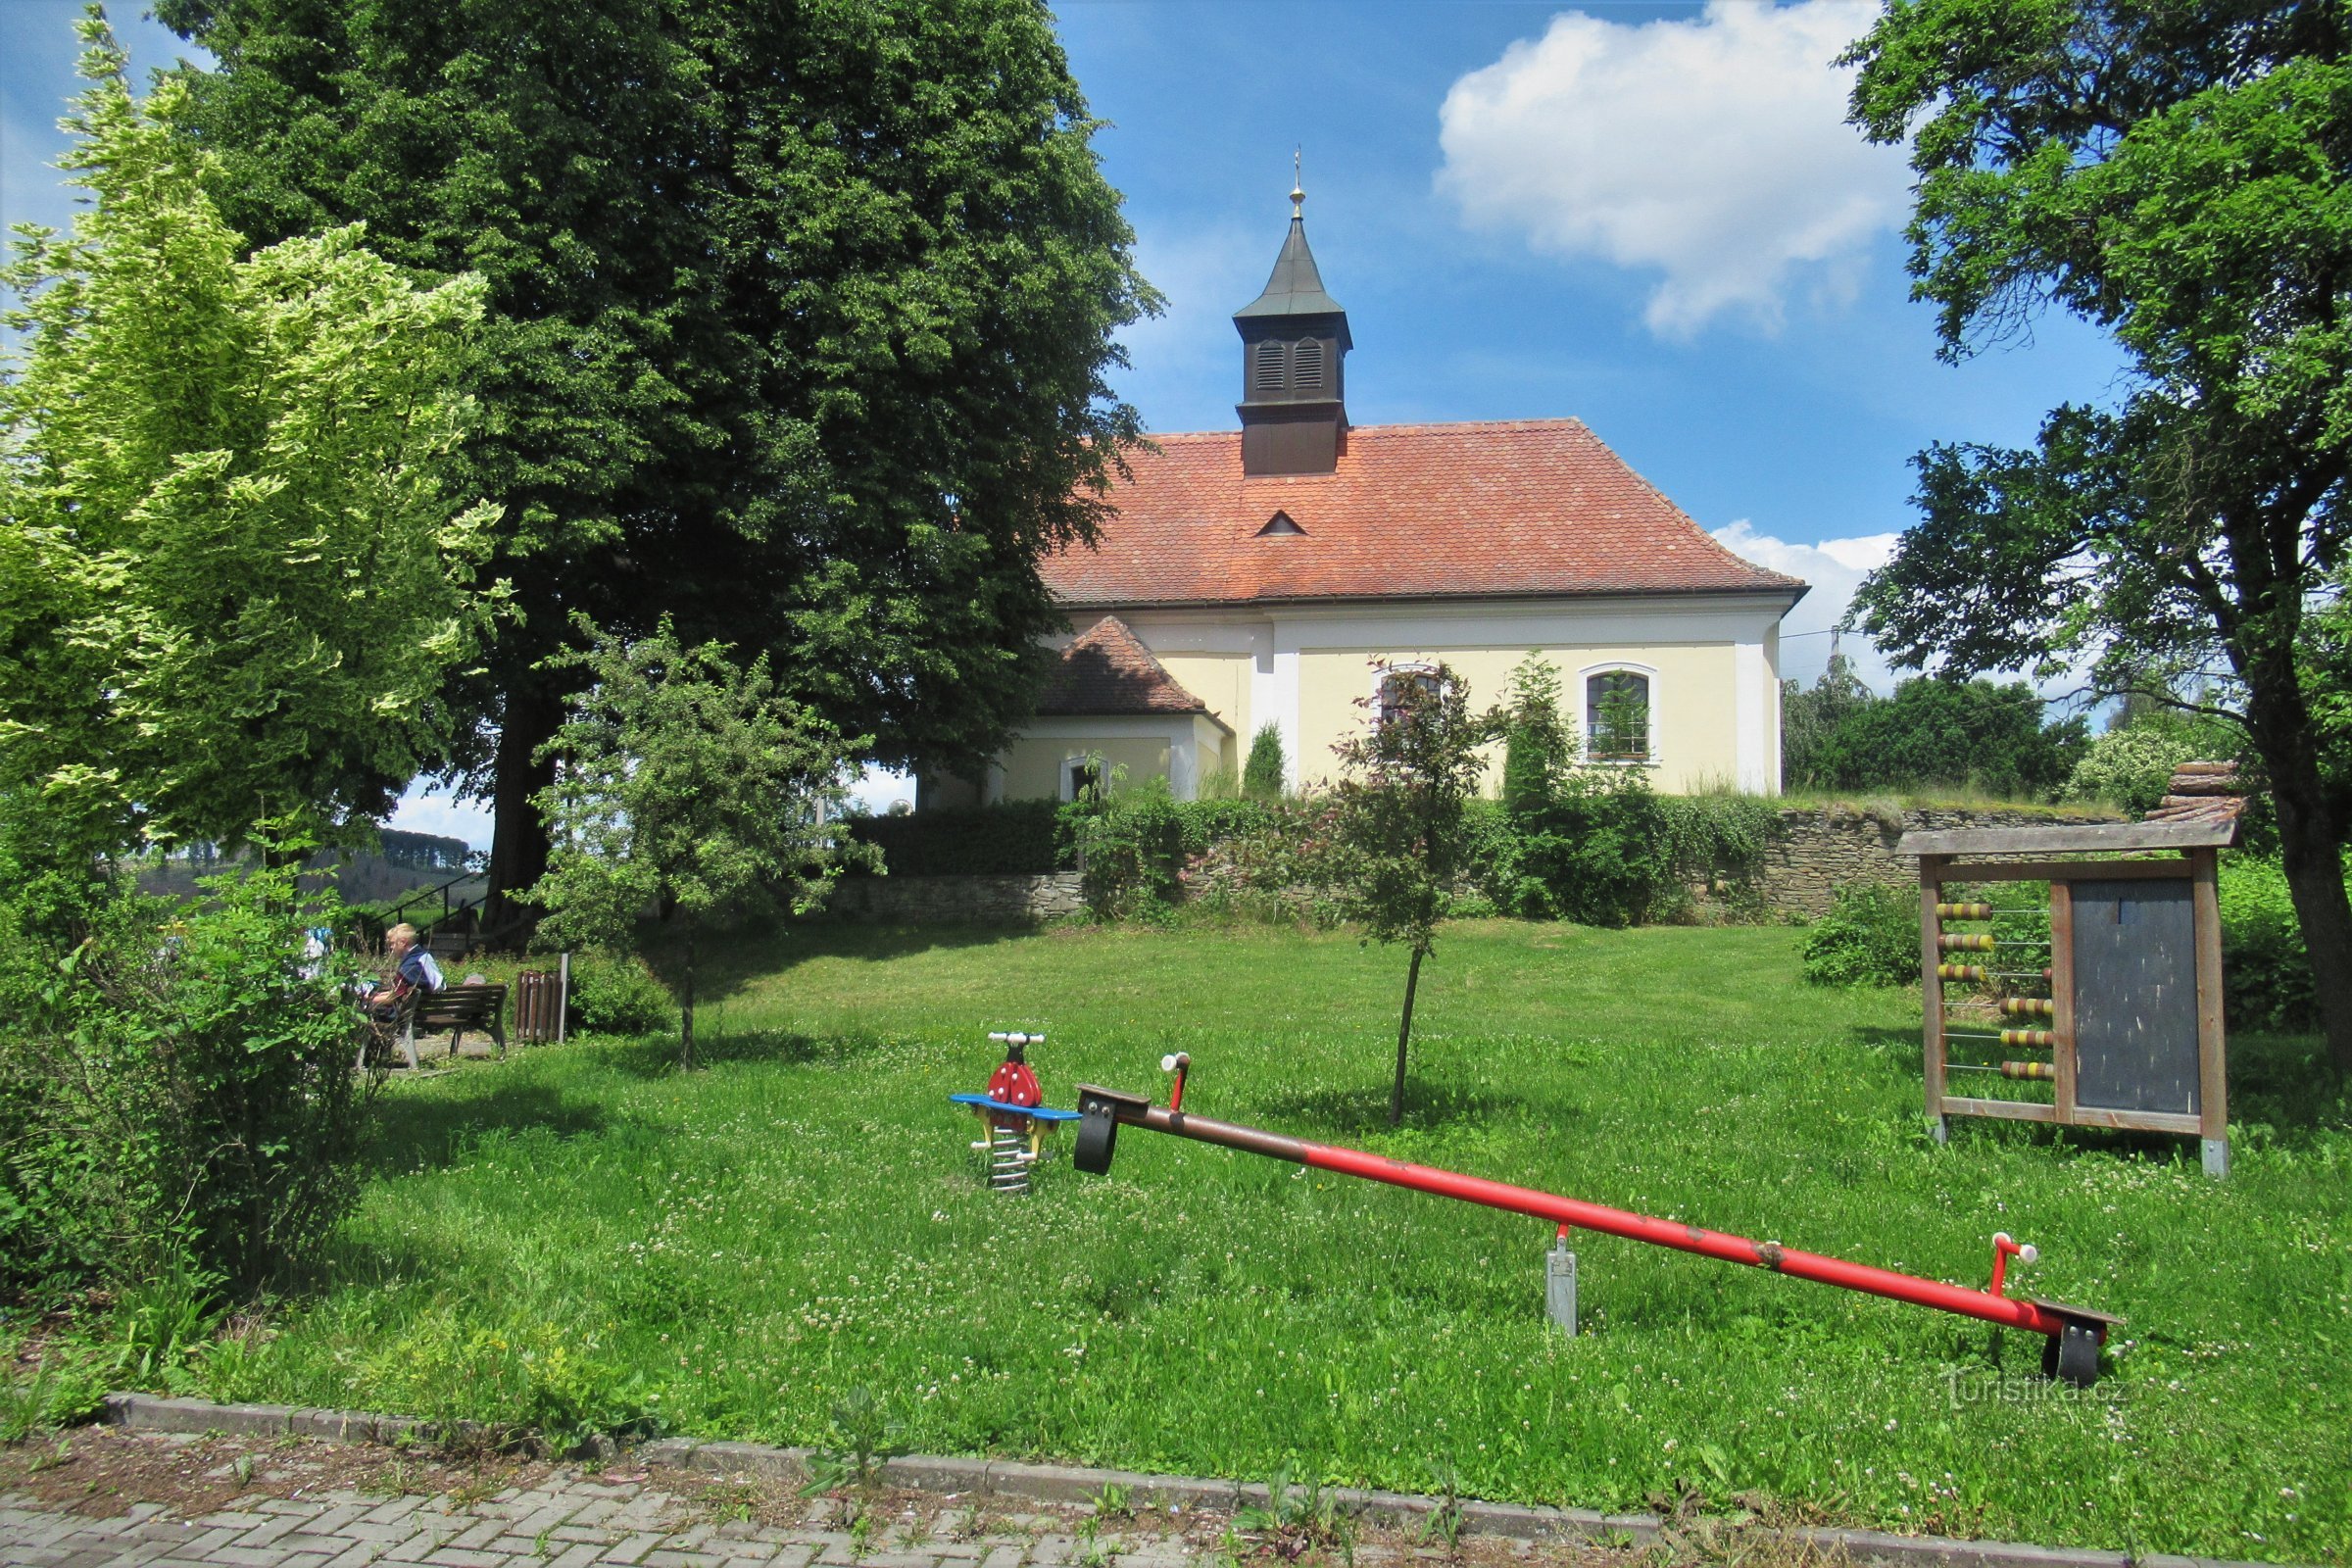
{"points": [[413, 970]]}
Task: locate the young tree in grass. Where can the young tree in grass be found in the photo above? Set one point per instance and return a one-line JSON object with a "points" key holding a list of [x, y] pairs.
{"points": [[1400, 840], [1261, 775], [688, 788]]}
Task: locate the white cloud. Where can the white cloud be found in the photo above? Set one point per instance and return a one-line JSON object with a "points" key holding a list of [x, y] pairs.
{"points": [[1834, 568], [1712, 149]]}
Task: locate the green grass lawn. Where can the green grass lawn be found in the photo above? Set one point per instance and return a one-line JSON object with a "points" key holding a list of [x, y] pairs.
{"points": [[581, 1234]]}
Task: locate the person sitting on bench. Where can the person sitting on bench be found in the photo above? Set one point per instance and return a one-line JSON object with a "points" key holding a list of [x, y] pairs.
{"points": [[413, 970]]}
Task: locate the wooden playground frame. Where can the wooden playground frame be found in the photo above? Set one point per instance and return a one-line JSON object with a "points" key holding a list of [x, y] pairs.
{"points": [[1961, 855]]}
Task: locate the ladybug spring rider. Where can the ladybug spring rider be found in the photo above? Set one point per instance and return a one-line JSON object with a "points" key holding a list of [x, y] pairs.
{"points": [[1012, 1111]]}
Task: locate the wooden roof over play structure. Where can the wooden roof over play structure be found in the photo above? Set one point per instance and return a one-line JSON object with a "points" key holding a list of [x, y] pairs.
{"points": [[2200, 811]]}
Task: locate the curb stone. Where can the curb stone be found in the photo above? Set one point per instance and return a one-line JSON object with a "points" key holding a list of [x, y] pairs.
{"points": [[1078, 1485]]}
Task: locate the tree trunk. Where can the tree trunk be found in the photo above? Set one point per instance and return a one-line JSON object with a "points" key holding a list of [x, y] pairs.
{"points": [[1404, 1034], [519, 842], [2309, 850], [686, 1007]]}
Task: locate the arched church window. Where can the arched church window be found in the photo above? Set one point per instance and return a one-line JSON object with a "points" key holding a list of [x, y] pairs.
{"points": [[1617, 717]]}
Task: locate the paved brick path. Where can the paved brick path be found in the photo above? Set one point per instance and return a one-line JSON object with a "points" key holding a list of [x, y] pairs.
{"points": [[567, 1520]]}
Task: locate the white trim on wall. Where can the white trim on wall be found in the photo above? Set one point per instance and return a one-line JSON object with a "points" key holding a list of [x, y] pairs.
{"points": [[1751, 679]]}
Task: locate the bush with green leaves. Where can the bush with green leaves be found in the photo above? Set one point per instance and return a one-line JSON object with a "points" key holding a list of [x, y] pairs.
{"points": [[1870, 937], [2130, 766], [616, 993], [177, 1084], [1601, 847], [1131, 846]]}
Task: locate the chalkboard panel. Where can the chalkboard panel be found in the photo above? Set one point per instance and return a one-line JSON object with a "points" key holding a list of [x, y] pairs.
{"points": [[2136, 996]]}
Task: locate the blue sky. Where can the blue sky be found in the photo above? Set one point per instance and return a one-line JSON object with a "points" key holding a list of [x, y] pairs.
{"points": [[1648, 216]]}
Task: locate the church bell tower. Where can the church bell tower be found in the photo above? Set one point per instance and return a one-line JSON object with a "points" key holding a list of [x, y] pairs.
{"points": [[1294, 347]]}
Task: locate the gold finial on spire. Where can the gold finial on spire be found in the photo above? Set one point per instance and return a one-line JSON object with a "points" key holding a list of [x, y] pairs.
{"points": [[1298, 189]]}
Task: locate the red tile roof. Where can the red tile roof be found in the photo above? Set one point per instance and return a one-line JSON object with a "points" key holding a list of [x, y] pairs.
{"points": [[1525, 507], [1105, 671]]}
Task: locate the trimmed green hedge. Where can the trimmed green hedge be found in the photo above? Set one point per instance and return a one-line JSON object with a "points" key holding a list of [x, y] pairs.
{"points": [[1019, 838]]}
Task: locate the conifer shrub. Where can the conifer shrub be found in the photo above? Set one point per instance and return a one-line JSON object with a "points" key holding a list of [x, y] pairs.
{"points": [[1261, 775]]}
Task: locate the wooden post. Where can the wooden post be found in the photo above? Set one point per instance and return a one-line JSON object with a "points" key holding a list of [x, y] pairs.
{"points": [[2213, 1077], [1931, 990], [2062, 999]]}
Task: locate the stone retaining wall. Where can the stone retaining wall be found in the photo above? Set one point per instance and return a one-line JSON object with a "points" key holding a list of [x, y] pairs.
{"points": [[1817, 851], [977, 899]]}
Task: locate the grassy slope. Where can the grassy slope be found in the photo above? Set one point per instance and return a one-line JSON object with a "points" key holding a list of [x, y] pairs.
{"points": [[579, 1233]]}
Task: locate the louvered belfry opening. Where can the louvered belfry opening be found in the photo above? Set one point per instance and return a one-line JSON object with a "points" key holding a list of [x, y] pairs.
{"points": [[1270, 379], [1294, 344]]}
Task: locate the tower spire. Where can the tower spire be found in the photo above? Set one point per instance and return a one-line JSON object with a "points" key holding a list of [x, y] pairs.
{"points": [[1295, 343]]}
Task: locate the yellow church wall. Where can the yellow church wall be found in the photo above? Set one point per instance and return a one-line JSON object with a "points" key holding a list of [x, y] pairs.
{"points": [[1032, 766], [1693, 689], [1221, 680]]}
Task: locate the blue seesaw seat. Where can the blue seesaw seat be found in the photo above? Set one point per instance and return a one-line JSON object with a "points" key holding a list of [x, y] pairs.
{"points": [[1033, 1112]]}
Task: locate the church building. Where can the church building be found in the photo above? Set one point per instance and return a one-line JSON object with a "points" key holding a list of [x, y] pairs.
{"points": [[1252, 577]]}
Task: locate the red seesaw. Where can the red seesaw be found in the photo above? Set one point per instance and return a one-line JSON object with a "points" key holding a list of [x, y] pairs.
{"points": [[2075, 1333]]}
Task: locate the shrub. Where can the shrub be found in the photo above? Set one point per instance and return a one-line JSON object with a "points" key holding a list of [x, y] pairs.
{"points": [[1601, 848], [1018, 838], [1261, 775], [616, 993], [177, 1084], [2131, 766], [1869, 938], [1131, 845]]}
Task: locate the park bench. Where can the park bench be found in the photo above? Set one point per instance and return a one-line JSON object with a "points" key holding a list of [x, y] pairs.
{"points": [[479, 1006]]}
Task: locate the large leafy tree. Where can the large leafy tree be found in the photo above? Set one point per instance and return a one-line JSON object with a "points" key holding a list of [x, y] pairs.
{"points": [[2179, 171], [687, 787], [234, 568], [800, 314]]}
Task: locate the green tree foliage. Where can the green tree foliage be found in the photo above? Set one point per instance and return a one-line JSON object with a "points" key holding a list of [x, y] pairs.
{"points": [[1397, 826], [2177, 175], [1536, 742], [233, 574], [687, 788], [1261, 775], [1809, 718], [1950, 733], [177, 1088], [801, 317]]}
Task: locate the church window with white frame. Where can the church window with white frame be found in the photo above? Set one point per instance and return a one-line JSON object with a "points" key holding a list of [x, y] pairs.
{"points": [[1618, 716]]}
